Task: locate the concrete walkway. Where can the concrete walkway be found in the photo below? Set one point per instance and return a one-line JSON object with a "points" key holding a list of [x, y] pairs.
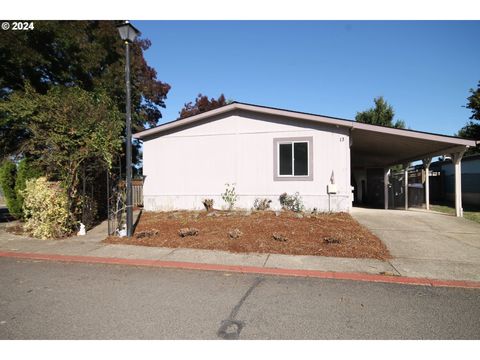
{"points": [[426, 244], [416, 250]]}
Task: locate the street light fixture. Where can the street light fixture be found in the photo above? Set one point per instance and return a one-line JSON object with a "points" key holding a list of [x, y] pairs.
{"points": [[128, 33]]}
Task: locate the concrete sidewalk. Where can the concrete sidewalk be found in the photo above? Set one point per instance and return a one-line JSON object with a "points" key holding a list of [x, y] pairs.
{"points": [[447, 267], [85, 246], [91, 246]]}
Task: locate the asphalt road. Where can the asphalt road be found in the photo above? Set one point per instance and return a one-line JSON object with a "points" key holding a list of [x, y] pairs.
{"points": [[48, 300]]}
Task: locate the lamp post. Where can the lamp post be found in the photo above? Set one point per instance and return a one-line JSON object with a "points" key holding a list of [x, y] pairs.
{"points": [[128, 33]]}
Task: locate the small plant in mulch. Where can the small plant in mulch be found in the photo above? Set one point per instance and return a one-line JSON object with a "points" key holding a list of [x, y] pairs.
{"points": [[279, 237], [230, 196], [291, 202], [146, 234], [331, 241], [188, 232], [208, 203], [234, 234], [261, 204]]}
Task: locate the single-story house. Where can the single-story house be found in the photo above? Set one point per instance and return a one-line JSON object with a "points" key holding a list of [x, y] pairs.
{"points": [[267, 151]]}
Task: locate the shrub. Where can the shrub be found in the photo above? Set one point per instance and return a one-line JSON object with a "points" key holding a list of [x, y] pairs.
{"points": [[230, 196], [208, 203], [291, 202], [13, 180], [46, 209], [8, 175], [25, 171], [261, 204]]}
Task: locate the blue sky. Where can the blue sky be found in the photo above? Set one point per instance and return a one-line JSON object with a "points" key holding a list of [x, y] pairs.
{"points": [[424, 69]]}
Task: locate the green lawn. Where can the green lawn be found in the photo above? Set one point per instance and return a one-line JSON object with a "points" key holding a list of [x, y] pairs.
{"points": [[468, 212]]}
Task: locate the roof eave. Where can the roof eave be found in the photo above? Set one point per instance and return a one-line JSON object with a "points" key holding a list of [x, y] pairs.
{"points": [[305, 116], [185, 121]]}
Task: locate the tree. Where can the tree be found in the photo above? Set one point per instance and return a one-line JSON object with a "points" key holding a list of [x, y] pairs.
{"points": [[471, 130], [85, 54], [382, 114], [202, 104], [67, 127], [474, 103]]}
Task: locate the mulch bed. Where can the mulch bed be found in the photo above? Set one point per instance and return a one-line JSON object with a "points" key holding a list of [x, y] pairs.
{"points": [[336, 234]]}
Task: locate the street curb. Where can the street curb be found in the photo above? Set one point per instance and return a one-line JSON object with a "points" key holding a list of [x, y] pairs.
{"points": [[246, 269]]}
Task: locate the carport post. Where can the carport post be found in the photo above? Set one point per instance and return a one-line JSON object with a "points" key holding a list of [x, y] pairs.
{"points": [[386, 173], [405, 171], [457, 161], [426, 163]]}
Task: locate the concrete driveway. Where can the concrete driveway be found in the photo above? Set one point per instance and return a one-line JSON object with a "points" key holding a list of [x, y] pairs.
{"points": [[425, 243]]}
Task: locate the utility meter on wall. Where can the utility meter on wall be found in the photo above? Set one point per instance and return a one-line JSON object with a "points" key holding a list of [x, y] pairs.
{"points": [[331, 188]]}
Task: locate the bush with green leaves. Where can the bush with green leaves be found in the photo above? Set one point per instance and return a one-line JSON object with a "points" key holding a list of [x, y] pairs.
{"points": [[8, 175], [46, 209], [292, 202], [230, 196], [26, 170], [12, 180]]}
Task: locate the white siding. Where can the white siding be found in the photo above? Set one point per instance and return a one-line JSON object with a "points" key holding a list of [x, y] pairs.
{"points": [[194, 163]]}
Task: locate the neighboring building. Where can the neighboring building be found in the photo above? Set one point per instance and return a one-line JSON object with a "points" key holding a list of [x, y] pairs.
{"points": [[443, 188], [266, 152]]}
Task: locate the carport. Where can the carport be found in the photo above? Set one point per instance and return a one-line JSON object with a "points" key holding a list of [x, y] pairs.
{"points": [[381, 148]]}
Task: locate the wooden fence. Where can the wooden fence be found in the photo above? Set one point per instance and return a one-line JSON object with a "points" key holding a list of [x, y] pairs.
{"points": [[137, 193]]}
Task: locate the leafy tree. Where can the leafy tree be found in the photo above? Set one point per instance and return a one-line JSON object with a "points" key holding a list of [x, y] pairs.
{"points": [[471, 130], [202, 104], [382, 114], [85, 54], [8, 173], [474, 103], [67, 127]]}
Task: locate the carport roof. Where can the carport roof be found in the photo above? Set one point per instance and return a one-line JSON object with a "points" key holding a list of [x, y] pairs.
{"points": [[372, 145]]}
